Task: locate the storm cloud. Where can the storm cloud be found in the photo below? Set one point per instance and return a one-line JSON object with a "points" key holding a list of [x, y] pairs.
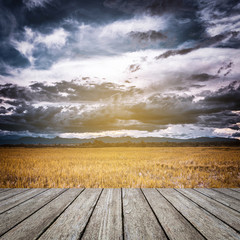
{"points": [[69, 67]]}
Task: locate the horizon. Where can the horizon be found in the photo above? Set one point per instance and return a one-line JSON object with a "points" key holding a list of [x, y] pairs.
{"points": [[115, 68]]}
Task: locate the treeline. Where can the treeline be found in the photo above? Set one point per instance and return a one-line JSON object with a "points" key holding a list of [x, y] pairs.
{"points": [[100, 144]]}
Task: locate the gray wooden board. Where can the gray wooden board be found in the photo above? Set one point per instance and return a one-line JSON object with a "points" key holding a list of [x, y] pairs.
{"points": [[19, 198], [174, 224], [220, 197], [12, 192], [211, 227], [15, 215], [139, 220], [73, 221], [219, 210], [229, 192], [106, 221], [236, 189], [4, 189], [36, 223]]}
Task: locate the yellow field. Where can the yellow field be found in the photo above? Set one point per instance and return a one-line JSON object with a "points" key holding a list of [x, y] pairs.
{"points": [[120, 167]]}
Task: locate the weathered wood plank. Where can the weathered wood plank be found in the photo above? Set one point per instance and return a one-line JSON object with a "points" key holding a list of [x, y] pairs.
{"points": [[236, 189], [12, 192], [71, 224], [228, 192], [220, 197], [34, 225], [226, 214], [15, 215], [106, 221], [174, 224], [139, 220], [4, 189], [19, 198], [210, 226]]}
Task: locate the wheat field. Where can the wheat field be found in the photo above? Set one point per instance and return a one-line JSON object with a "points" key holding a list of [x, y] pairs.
{"points": [[120, 167]]}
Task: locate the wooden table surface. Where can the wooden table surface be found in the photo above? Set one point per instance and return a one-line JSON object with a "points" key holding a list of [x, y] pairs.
{"points": [[133, 213]]}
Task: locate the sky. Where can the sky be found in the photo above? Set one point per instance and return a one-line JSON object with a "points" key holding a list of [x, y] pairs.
{"points": [[92, 68]]}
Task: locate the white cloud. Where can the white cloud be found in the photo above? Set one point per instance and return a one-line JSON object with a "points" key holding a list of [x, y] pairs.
{"points": [[56, 39], [165, 73], [141, 24], [114, 38], [172, 131], [225, 132], [216, 21]]}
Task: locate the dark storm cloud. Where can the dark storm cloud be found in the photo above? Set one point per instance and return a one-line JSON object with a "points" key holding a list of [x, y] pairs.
{"points": [[202, 77], [44, 16], [154, 7], [155, 112], [222, 119], [14, 91], [27, 117], [65, 91], [134, 67], [237, 134], [204, 43], [225, 69], [186, 24], [52, 13], [228, 96], [9, 56], [234, 127], [3, 110], [149, 36], [95, 28]]}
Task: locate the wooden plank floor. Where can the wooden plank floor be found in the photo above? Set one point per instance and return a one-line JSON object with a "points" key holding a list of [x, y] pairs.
{"points": [[179, 214]]}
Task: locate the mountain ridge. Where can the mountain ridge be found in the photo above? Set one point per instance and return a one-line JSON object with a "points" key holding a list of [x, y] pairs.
{"points": [[14, 140]]}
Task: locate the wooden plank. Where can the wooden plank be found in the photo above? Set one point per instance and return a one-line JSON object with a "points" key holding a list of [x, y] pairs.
{"points": [[228, 192], [39, 221], [139, 220], [220, 197], [174, 224], [210, 226], [15, 215], [12, 192], [226, 214], [4, 189], [106, 221], [71, 224], [19, 198], [236, 189]]}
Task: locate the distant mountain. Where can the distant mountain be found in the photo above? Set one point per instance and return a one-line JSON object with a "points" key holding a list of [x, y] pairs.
{"points": [[57, 140]]}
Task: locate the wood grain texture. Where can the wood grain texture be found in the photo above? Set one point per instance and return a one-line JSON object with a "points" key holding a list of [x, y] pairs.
{"points": [[39, 221], [175, 214], [228, 192], [236, 189], [210, 227], [222, 198], [12, 192], [106, 221], [19, 198], [174, 224], [73, 221], [15, 215], [226, 214], [139, 220], [4, 189]]}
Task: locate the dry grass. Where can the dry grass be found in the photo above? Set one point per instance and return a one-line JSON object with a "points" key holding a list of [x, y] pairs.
{"points": [[120, 167]]}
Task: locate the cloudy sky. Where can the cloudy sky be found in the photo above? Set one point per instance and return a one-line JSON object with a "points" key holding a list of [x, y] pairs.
{"points": [[89, 68]]}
